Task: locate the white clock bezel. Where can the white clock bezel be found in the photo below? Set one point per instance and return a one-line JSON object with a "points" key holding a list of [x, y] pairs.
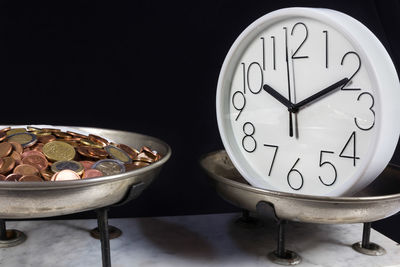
{"points": [[382, 74]]}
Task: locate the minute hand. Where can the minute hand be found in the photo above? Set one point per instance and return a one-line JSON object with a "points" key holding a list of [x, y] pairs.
{"points": [[319, 94]]}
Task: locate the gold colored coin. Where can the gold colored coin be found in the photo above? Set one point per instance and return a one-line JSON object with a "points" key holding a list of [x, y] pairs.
{"points": [[33, 129], [62, 135], [118, 154], [58, 150], [42, 133], [51, 130], [88, 142], [25, 139], [16, 130]]}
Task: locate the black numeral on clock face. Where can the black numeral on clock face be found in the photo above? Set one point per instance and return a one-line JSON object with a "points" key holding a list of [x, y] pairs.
{"points": [[249, 144], [255, 69], [238, 102], [352, 143], [370, 108], [273, 158], [321, 164], [354, 74], [326, 48], [299, 25], [273, 52], [295, 174]]}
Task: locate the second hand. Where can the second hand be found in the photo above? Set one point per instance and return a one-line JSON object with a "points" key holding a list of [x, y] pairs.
{"points": [[288, 78]]}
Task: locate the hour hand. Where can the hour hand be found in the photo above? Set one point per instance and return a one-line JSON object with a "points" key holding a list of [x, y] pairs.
{"points": [[277, 96]]}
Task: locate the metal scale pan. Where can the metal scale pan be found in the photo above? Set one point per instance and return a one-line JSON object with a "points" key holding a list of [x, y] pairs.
{"points": [[26, 200], [44, 199], [379, 200]]}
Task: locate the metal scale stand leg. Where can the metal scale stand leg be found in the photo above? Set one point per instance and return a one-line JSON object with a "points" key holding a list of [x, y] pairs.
{"points": [[367, 247], [105, 232], [248, 221], [281, 255], [10, 238]]}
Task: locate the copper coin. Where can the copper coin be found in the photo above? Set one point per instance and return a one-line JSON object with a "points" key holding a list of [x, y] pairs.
{"points": [[46, 174], [3, 136], [140, 164], [135, 165], [36, 161], [51, 130], [17, 147], [8, 165], [87, 164], [17, 157], [62, 135], [26, 169], [13, 177], [46, 138], [99, 140], [91, 173], [30, 178], [2, 177], [131, 152], [5, 129], [38, 147], [143, 156], [83, 150], [97, 152], [5, 149], [77, 134], [1, 162], [65, 175], [31, 153]]}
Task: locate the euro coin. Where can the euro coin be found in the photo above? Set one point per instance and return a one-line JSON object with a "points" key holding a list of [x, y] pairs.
{"points": [[109, 166], [118, 154], [91, 173], [65, 175], [30, 178], [25, 139], [58, 151], [67, 165]]}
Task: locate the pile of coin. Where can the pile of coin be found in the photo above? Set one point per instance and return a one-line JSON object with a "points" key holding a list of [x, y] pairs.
{"points": [[49, 154]]}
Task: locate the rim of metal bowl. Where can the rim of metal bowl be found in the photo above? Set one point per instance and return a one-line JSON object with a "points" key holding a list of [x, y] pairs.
{"points": [[273, 193], [92, 181]]}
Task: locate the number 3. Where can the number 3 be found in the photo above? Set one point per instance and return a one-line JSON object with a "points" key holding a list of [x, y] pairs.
{"points": [[370, 108]]}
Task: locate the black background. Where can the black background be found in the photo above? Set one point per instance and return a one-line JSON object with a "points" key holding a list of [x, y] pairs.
{"points": [[149, 67]]}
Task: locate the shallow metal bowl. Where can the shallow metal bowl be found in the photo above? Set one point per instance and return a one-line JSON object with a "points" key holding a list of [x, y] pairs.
{"points": [[45, 199], [379, 200]]}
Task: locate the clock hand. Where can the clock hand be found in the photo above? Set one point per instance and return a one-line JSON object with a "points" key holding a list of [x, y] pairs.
{"points": [[320, 94], [278, 96], [288, 79]]}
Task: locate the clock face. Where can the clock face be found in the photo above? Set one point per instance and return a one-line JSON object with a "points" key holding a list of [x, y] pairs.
{"points": [[303, 109]]}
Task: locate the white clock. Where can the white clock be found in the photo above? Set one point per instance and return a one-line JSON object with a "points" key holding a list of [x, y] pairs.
{"points": [[308, 103]]}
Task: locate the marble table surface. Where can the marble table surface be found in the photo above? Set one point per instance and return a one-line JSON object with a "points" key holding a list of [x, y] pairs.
{"points": [[199, 240]]}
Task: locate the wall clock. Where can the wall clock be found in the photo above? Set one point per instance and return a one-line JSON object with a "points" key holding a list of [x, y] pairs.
{"points": [[307, 103]]}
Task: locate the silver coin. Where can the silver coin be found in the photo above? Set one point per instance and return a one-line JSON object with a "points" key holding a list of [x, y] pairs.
{"points": [[109, 166], [67, 165]]}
